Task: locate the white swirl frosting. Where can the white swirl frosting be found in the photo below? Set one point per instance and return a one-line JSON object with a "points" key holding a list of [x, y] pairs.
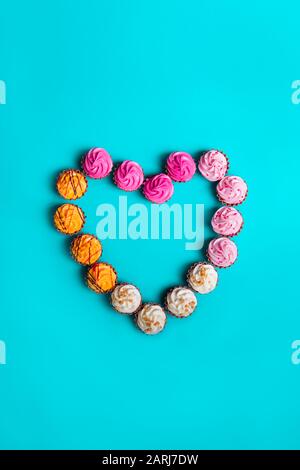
{"points": [[181, 301], [202, 277], [151, 319], [126, 298]]}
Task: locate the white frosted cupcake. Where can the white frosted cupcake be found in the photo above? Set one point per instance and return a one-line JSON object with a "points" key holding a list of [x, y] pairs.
{"points": [[202, 277], [151, 319], [181, 302], [126, 298]]}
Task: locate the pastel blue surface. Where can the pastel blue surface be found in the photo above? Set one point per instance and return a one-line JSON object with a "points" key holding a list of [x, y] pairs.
{"points": [[142, 79]]}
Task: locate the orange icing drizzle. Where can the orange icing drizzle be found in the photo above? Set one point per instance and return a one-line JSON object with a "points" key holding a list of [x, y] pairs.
{"points": [[69, 219], [71, 184], [101, 278], [86, 249]]}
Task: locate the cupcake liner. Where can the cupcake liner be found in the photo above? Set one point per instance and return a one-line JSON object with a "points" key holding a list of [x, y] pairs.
{"points": [[136, 314], [78, 171], [100, 291], [73, 233], [121, 313], [78, 262], [166, 304]]}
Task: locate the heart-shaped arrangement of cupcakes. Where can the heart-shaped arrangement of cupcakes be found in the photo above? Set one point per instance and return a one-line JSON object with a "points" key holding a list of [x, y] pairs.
{"points": [[201, 277]]}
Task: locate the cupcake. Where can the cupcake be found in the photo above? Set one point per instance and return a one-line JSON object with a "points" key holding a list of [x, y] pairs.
{"points": [[97, 163], [101, 278], [69, 219], [227, 221], [180, 166], [232, 190], [71, 184], [181, 302], [158, 188], [202, 277], [86, 249], [129, 176], [213, 165], [126, 298], [151, 319], [222, 252]]}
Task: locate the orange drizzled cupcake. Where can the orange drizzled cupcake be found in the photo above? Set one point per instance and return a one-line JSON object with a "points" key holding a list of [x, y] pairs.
{"points": [[71, 184], [101, 278], [86, 249], [69, 219]]}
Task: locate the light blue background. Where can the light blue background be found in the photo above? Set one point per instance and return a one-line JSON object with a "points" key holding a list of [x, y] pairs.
{"points": [[142, 78]]}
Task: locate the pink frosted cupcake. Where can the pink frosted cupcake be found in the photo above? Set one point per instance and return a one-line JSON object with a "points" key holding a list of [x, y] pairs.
{"points": [[129, 176], [97, 163], [232, 190], [227, 221], [213, 165], [180, 166], [222, 252], [158, 188]]}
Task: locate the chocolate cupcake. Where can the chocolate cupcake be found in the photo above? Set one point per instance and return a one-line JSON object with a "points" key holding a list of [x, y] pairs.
{"points": [[181, 302], [71, 184], [86, 249], [69, 219], [101, 278], [202, 277], [126, 298], [151, 319]]}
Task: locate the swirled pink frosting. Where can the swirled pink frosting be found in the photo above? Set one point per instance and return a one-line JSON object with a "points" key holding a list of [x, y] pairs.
{"points": [[97, 163], [232, 190], [227, 221], [213, 165], [129, 176], [158, 188], [180, 166], [222, 252]]}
